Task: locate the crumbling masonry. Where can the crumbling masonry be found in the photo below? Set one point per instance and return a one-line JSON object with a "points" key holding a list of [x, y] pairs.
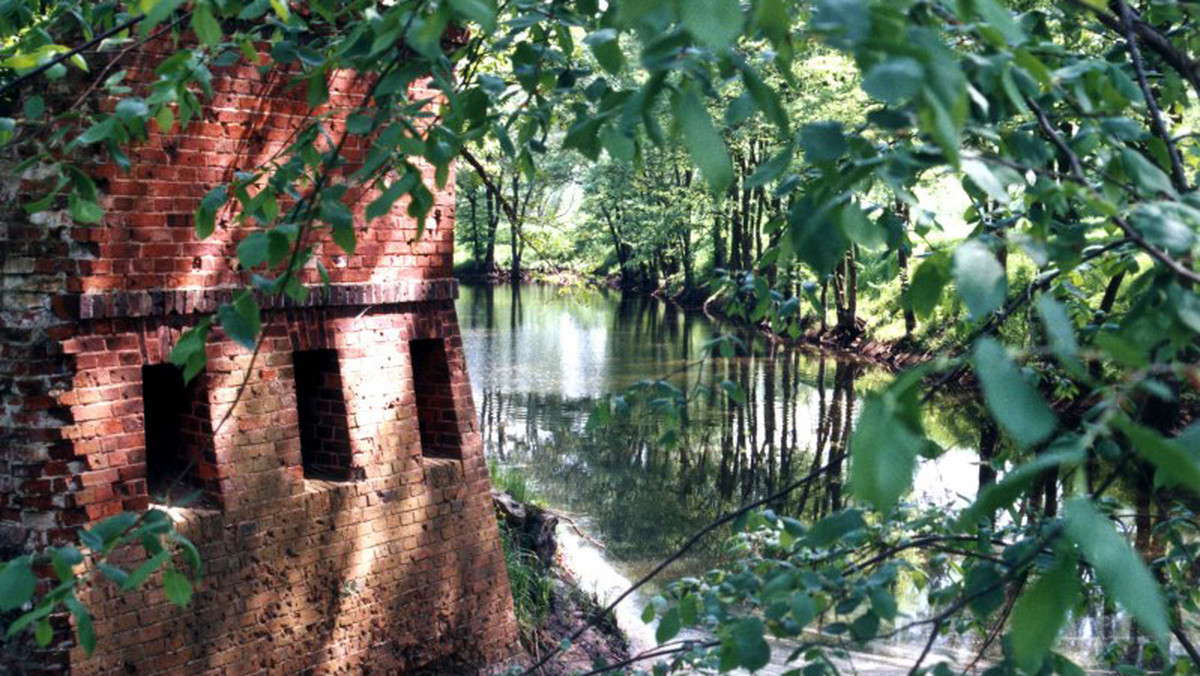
{"points": [[345, 523]]}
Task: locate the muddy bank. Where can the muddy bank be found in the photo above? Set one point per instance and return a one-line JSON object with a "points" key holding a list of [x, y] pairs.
{"points": [[534, 530]]}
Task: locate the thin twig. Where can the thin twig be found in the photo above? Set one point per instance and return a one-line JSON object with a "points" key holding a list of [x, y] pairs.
{"points": [[1178, 177], [18, 81], [933, 633], [505, 206], [650, 654]]}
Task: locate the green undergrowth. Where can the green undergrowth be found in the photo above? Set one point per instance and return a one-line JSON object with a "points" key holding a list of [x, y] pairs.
{"points": [[528, 577], [531, 584]]}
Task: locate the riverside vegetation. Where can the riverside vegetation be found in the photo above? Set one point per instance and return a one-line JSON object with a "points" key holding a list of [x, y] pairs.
{"points": [[1018, 178]]}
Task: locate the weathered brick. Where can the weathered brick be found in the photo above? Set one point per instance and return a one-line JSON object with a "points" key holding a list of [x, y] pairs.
{"points": [[346, 523]]}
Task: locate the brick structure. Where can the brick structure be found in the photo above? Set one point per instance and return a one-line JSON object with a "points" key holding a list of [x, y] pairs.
{"points": [[345, 521]]}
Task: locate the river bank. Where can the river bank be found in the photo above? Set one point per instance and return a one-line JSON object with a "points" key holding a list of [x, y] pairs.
{"points": [[892, 355], [551, 606]]}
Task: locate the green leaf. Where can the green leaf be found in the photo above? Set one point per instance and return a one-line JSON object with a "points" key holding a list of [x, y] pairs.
{"points": [[282, 9], [100, 131], [341, 220], [1177, 460], [254, 249], [43, 633], [1145, 174], [895, 80], [980, 279], [206, 26], [766, 98], [715, 23], [822, 141], [39, 611], [999, 18], [83, 624], [482, 12], [834, 527], [860, 229], [1012, 400], [804, 610], [206, 213], [382, 205], [773, 168], [64, 561], [982, 176], [983, 584], [17, 584], [1039, 614], [143, 572], [668, 626], [606, 47], [648, 613], [1120, 570], [360, 124], [85, 211], [130, 109], [746, 636], [1006, 491], [814, 236], [1060, 332], [241, 319], [883, 454], [189, 353], [156, 12], [702, 141], [34, 107], [925, 289], [177, 587]]}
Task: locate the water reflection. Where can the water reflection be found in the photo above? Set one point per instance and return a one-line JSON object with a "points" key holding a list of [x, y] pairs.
{"points": [[540, 359]]}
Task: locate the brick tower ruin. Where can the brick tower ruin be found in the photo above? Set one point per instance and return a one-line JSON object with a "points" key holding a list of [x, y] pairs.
{"points": [[345, 523]]}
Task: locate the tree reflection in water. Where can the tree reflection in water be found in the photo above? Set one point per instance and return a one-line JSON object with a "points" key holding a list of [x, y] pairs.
{"points": [[540, 361], [541, 358]]}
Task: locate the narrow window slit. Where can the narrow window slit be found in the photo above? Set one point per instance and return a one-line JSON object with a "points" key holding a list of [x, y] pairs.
{"points": [[181, 462], [436, 414], [321, 407]]}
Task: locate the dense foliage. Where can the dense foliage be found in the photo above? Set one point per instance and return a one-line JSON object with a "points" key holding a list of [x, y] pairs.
{"points": [[1068, 125]]}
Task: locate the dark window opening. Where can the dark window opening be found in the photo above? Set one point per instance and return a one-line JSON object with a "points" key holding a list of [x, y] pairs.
{"points": [[180, 456], [435, 400], [321, 406]]}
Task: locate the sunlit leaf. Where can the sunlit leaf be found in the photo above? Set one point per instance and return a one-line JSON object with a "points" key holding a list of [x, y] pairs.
{"points": [[1120, 570], [1012, 400]]}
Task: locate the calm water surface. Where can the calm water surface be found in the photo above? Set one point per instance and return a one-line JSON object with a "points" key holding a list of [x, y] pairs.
{"points": [[540, 359]]}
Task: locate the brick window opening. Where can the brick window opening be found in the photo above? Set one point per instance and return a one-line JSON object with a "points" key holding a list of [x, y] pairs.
{"points": [[435, 400], [180, 456], [321, 405]]}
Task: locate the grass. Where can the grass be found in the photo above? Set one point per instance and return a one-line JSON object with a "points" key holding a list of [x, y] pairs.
{"points": [[530, 582], [529, 579], [511, 481]]}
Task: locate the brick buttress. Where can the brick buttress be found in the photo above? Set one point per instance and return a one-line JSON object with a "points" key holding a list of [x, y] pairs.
{"points": [[343, 510]]}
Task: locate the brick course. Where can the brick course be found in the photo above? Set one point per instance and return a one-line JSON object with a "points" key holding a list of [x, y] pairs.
{"points": [[386, 556]]}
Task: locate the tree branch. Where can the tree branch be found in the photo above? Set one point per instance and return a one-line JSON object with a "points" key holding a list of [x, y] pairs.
{"points": [[1186, 66], [22, 79], [1178, 177]]}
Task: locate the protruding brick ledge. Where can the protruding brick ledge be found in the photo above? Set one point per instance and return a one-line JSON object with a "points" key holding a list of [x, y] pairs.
{"points": [[190, 301]]}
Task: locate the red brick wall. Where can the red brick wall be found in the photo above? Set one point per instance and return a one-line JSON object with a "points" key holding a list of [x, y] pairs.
{"points": [[393, 565], [147, 238]]}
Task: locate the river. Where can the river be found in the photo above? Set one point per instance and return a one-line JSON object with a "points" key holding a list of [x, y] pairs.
{"points": [[541, 358]]}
